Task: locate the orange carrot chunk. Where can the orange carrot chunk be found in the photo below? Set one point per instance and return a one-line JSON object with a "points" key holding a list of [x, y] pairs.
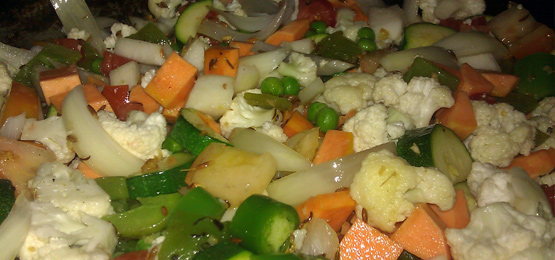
{"points": [[221, 60], [503, 84], [57, 81], [22, 99], [87, 171], [334, 208], [472, 82], [296, 124], [138, 94], [363, 242], [94, 98], [293, 31], [537, 163], [335, 144], [456, 217], [173, 82], [460, 117], [172, 113], [422, 234], [244, 47], [210, 122]]}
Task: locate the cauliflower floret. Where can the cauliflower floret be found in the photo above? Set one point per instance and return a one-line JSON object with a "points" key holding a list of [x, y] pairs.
{"points": [[434, 10], [389, 89], [141, 134], [387, 186], [387, 24], [491, 185], [498, 232], [544, 117], [370, 127], [273, 130], [236, 8], [51, 133], [351, 91], [241, 114], [118, 30], [5, 82], [345, 24], [300, 67], [164, 8], [77, 34], [546, 107], [149, 75], [502, 133]]}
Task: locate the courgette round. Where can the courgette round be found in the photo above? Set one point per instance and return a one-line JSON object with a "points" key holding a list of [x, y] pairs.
{"points": [[424, 34], [188, 22]]}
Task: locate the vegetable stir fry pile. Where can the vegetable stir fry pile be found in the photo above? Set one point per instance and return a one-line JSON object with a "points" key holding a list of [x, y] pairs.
{"points": [[281, 129]]}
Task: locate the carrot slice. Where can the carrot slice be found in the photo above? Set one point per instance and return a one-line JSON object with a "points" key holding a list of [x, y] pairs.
{"points": [[537, 163], [296, 124], [221, 60], [22, 99], [57, 81], [456, 217], [171, 114], [87, 171], [422, 234], [138, 94], [334, 208], [502, 83], [210, 122], [293, 31], [365, 242], [472, 82], [460, 117], [244, 47], [335, 144]]}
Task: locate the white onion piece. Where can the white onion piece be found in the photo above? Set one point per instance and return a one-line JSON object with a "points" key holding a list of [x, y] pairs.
{"points": [[13, 127], [320, 239], [247, 78], [102, 153], [14, 57], [76, 14], [483, 61], [265, 62], [327, 67], [247, 23], [311, 91], [105, 22], [471, 43], [323, 178], [166, 25], [126, 74], [15, 227], [411, 11], [446, 8], [141, 51], [401, 60], [138, 22], [194, 53], [287, 159], [85, 74], [304, 46], [261, 46], [253, 7]]}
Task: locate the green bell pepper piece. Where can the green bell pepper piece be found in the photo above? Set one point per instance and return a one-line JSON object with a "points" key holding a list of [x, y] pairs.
{"points": [[268, 101], [424, 68], [91, 58], [537, 75], [7, 198], [264, 225], [115, 186], [338, 47], [194, 226], [146, 219], [524, 103], [225, 250], [151, 33]]}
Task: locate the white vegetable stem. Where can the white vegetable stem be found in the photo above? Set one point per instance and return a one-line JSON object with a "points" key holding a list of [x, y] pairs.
{"points": [[141, 51], [15, 227], [323, 178], [100, 151]]}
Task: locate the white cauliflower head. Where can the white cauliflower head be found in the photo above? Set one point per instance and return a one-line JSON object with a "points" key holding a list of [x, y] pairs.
{"points": [[345, 24], [351, 91], [52, 134], [387, 24], [434, 10], [163, 8], [243, 115], [118, 30], [498, 231], [387, 186], [141, 134], [273, 130], [502, 133], [491, 185], [389, 89], [300, 67]]}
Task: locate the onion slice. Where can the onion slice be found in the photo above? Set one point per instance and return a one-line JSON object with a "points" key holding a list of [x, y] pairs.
{"points": [[15, 227], [247, 23], [401, 60], [472, 43], [92, 143], [323, 178], [13, 127]]}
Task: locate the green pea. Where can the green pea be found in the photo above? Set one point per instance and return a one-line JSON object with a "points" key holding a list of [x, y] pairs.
{"points": [[313, 110], [318, 26], [95, 66], [327, 119], [367, 44], [272, 86], [366, 33], [291, 85]]}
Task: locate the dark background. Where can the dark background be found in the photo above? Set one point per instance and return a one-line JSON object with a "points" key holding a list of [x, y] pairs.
{"points": [[22, 21]]}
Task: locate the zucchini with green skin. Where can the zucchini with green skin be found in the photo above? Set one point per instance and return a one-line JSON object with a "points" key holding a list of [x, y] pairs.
{"points": [[188, 22], [436, 146], [226, 250], [424, 34], [7, 198]]}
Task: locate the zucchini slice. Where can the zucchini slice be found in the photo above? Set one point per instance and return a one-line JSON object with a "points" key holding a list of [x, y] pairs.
{"points": [[188, 22], [424, 34], [436, 146]]}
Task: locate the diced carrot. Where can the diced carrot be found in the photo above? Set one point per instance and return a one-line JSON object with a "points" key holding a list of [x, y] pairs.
{"points": [[542, 39], [450, 70], [334, 208], [171, 114], [244, 47], [537, 163], [57, 101], [296, 124], [57, 81], [221, 60], [502, 83], [422, 234], [173, 82], [460, 117], [95, 81], [353, 5], [138, 94], [22, 99], [87, 171], [344, 118], [472, 82], [94, 98], [456, 217], [293, 31], [363, 242], [210, 122], [336, 144]]}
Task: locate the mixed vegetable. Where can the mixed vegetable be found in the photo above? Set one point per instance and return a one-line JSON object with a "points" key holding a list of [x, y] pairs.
{"points": [[281, 129]]}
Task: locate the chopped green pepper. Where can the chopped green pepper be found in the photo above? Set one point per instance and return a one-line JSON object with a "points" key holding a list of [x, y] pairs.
{"points": [[424, 68], [268, 101], [151, 33], [115, 186], [338, 47], [91, 58], [264, 225], [524, 103], [537, 75]]}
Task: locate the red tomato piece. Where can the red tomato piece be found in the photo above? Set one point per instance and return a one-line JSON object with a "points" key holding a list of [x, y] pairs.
{"points": [[136, 255], [111, 61], [321, 10], [69, 43], [118, 97]]}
